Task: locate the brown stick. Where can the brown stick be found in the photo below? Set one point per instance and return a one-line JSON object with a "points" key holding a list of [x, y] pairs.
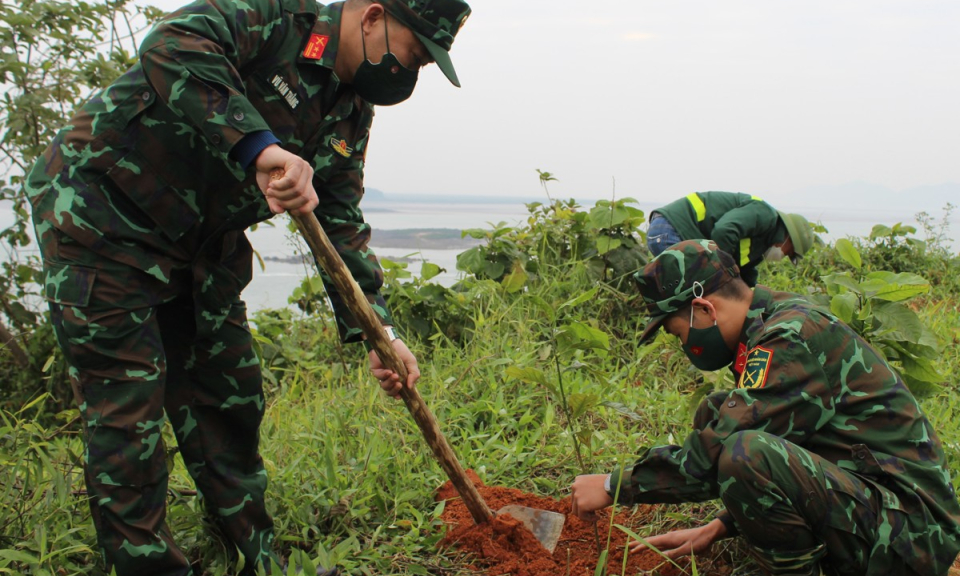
{"points": [[357, 303]]}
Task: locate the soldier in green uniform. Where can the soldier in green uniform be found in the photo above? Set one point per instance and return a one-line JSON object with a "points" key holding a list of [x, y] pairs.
{"points": [[742, 225], [140, 206], [821, 455]]}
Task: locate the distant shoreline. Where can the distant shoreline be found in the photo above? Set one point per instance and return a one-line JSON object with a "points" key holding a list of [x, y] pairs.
{"points": [[410, 238]]}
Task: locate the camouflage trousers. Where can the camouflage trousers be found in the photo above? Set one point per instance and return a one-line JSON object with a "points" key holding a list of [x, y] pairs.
{"points": [[803, 515], [135, 359]]}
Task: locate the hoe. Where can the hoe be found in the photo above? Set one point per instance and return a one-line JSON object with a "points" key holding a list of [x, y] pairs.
{"points": [[545, 525]]}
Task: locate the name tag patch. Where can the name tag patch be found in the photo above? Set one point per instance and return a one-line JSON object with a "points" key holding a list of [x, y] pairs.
{"points": [[756, 368], [282, 88]]}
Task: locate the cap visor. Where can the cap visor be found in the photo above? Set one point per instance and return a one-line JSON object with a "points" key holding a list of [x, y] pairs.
{"points": [[651, 330], [441, 57]]}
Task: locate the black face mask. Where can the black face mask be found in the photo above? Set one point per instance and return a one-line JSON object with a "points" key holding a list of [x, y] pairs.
{"points": [[386, 83], [706, 347]]}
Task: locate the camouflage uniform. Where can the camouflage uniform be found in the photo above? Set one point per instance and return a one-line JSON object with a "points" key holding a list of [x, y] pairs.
{"points": [[821, 455], [742, 225], [140, 204]]}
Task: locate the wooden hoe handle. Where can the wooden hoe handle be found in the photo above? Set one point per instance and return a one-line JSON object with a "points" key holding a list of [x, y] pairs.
{"points": [[357, 303]]}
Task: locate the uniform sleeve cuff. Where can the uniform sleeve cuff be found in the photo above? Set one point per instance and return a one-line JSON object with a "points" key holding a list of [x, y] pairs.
{"points": [[728, 523], [620, 486], [247, 149]]}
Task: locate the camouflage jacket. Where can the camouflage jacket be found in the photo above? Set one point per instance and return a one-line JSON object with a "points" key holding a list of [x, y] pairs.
{"points": [[143, 174], [743, 226], [809, 379]]}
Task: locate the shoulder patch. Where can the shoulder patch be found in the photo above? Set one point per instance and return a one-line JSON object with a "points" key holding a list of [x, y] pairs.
{"points": [[756, 368], [316, 46]]}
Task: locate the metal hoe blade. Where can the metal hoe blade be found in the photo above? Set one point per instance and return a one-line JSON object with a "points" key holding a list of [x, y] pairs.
{"points": [[545, 525]]}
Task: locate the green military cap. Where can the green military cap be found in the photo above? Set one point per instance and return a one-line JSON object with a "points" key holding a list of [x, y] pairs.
{"points": [[666, 284], [435, 22], [800, 233]]}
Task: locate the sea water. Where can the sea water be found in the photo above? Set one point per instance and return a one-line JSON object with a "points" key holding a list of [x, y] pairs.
{"points": [[272, 285]]}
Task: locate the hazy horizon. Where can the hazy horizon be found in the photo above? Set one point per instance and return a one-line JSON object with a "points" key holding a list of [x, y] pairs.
{"points": [[655, 99]]}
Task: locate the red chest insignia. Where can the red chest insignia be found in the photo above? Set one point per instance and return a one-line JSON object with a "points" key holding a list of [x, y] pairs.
{"points": [[741, 358], [315, 46]]}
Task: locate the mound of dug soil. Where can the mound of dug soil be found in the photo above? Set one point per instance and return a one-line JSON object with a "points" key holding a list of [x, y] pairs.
{"points": [[504, 546]]}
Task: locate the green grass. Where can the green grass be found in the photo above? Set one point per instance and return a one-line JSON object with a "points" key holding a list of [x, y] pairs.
{"points": [[351, 480]]}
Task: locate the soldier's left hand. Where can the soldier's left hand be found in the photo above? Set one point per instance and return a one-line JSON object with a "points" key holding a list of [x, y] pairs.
{"points": [[680, 543], [390, 380]]}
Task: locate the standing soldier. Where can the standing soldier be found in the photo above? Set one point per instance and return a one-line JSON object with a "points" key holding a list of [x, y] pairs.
{"points": [[140, 206], [821, 454], [743, 226]]}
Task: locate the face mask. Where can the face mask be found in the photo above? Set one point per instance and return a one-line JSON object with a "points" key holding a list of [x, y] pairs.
{"points": [[706, 347], [386, 83], [773, 253]]}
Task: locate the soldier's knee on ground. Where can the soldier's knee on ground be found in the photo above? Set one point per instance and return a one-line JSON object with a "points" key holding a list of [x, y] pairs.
{"points": [[747, 455]]}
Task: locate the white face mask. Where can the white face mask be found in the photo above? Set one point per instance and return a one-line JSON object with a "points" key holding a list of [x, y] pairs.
{"points": [[773, 254]]}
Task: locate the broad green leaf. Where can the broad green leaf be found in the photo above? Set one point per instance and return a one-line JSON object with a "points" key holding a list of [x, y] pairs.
{"points": [[429, 270], [844, 306], [841, 279], [471, 260], [607, 217], [921, 389], [606, 244], [515, 280], [493, 270], [849, 253], [921, 369], [898, 320], [879, 231], [580, 404], [578, 336], [900, 292], [528, 374]]}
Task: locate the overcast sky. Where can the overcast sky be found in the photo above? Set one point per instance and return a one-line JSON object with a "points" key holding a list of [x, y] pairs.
{"points": [[673, 96]]}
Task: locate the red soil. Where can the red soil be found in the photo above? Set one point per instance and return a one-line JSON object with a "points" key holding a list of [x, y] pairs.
{"points": [[503, 546]]}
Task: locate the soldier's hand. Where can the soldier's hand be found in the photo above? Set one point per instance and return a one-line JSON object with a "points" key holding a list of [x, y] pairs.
{"points": [[588, 495], [294, 191], [680, 543], [390, 380]]}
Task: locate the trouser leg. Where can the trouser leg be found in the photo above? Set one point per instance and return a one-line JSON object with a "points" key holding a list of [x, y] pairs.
{"points": [[118, 371], [798, 512], [215, 402]]}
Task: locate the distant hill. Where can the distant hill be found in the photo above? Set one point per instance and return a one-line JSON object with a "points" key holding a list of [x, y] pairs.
{"points": [[867, 195], [374, 196]]}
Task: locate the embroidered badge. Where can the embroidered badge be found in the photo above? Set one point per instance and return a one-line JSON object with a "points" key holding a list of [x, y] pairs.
{"points": [[756, 368], [282, 88], [315, 46], [340, 147]]}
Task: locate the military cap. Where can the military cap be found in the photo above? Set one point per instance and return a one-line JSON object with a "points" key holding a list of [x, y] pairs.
{"points": [[666, 284], [800, 233], [435, 22]]}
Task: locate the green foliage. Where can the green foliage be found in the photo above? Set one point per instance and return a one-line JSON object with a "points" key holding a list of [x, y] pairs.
{"points": [[53, 55], [897, 249], [874, 305], [351, 480]]}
